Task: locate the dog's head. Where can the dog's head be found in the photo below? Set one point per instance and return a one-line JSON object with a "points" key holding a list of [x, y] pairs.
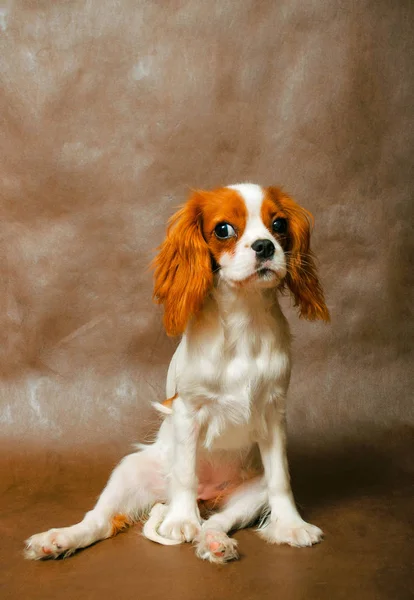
{"points": [[243, 236]]}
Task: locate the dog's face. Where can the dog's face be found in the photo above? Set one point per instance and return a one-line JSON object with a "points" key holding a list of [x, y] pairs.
{"points": [[243, 235], [246, 231]]}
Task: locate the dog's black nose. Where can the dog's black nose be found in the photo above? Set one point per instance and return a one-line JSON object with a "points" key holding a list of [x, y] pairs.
{"points": [[263, 248]]}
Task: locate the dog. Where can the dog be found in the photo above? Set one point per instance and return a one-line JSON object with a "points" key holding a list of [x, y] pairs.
{"points": [[219, 459]]}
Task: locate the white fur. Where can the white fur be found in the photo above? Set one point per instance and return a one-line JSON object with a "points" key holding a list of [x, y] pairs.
{"points": [[240, 265], [230, 372]]}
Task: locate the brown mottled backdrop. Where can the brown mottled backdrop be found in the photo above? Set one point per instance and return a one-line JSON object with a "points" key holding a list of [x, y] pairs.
{"points": [[110, 111]]}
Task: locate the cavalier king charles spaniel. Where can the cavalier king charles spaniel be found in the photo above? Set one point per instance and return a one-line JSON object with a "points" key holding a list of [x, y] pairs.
{"points": [[219, 459]]}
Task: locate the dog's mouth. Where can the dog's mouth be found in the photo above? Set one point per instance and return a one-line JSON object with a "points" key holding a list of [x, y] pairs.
{"points": [[265, 273], [261, 276], [264, 276]]}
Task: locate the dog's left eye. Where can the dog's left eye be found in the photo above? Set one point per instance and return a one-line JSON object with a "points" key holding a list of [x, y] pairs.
{"points": [[224, 231], [279, 225]]}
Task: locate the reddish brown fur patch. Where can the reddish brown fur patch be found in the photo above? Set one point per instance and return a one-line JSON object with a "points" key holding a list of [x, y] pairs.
{"points": [[169, 401], [183, 267], [271, 210], [301, 277], [183, 273], [119, 523], [223, 205]]}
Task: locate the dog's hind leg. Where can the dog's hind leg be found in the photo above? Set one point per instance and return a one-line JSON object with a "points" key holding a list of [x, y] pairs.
{"points": [[135, 484], [241, 508]]}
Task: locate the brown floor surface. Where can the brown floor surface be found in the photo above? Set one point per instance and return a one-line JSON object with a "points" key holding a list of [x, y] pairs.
{"points": [[359, 492]]}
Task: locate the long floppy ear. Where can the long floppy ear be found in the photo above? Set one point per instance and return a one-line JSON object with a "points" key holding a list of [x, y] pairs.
{"points": [[183, 272], [301, 277]]}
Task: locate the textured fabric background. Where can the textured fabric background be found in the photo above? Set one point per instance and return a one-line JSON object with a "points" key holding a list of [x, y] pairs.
{"points": [[110, 112]]}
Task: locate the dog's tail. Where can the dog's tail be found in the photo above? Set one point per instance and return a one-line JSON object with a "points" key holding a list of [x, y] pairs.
{"points": [[165, 407], [150, 529], [162, 408]]}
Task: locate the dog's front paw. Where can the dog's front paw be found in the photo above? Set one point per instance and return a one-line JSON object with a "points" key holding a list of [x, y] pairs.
{"points": [[297, 533], [182, 529]]}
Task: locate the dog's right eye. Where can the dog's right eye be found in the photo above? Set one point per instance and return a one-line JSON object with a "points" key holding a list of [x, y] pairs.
{"points": [[224, 231]]}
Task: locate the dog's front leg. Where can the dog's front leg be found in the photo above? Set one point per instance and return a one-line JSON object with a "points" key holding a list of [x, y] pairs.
{"points": [[182, 521], [285, 525]]}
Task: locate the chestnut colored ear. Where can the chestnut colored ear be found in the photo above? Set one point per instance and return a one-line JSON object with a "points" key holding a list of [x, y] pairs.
{"points": [[301, 277], [183, 272]]}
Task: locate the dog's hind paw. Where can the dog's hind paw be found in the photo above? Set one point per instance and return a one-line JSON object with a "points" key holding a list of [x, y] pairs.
{"points": [[50, 544], [215, 546]]}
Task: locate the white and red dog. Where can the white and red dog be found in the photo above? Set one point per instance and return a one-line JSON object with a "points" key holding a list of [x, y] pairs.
{"points": [[219, 460]]}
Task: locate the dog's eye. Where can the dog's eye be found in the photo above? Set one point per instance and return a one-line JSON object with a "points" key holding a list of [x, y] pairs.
{"points": [[279, 225], [224, 231]]}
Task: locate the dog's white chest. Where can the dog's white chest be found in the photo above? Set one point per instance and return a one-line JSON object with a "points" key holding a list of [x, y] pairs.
{"points": [[229, 365], [231, 380]]}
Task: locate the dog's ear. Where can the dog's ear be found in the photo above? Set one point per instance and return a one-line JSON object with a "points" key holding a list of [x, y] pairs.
{"points": [[301, 278], [183, 272]]}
